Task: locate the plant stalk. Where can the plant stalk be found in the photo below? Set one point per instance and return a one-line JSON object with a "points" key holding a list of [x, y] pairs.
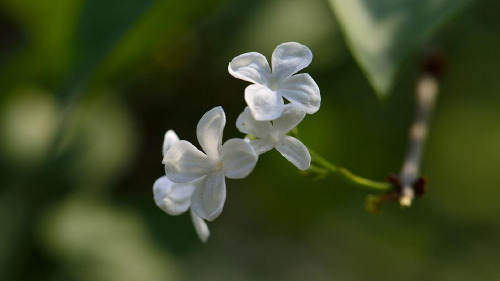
{"points": [[426, 94], [347, 175]]}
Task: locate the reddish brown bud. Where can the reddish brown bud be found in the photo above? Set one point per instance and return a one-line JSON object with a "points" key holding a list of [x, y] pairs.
{"points": [[434, 62], [420, 186], [395, 181]]}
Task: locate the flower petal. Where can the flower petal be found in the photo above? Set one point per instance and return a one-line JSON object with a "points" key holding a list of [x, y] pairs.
{"points": [[290, 118], [248, 125], [208, 200], [209, 131], [184, 162], [238, 158], [201, 227], [161, 188], [295, 151], [302, 91], [251, 67], [264, 103], [288, 59], [169, 140], [261, 145], [173, 198]]}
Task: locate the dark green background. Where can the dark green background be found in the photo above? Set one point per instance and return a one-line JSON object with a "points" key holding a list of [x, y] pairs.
{"points": [[88, 89]]}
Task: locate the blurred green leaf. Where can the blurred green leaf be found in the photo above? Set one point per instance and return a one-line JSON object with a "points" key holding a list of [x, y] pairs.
{"points": [[114, 35], [382, 33], [42, 55], [103, 24], [162, 28]]}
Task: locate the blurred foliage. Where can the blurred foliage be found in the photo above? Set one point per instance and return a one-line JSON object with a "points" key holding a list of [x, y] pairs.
{"points": [[382, 34], [88, 235], [90, 87]]}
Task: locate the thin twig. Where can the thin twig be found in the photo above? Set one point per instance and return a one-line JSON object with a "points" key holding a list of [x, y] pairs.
{"points": [[426, 94]]}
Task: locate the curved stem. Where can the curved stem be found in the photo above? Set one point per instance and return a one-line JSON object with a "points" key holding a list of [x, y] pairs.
{"points": [[347, 175]]}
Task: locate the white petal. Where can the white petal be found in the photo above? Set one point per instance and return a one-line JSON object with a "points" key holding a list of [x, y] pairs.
{"points": [[302, 91], [184, 162], [208, 200], [290, 118], [261, 145], [295, 151], [264, 104], [248, 125], [251, 67], [201, 227], [161, 188], [238, 158], [288, 59], [173, 198], [169, 140], [209, 131]]}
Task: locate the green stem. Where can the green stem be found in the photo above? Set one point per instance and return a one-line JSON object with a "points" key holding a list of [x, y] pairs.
{"points": [[347, 175]]}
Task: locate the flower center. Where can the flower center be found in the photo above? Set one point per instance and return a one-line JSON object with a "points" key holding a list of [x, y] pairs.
{"points": [[219, 166], [215, 166], [273, 138], [274, 85]]}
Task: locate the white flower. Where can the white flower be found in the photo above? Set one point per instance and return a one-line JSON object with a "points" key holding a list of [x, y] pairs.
{"points": [[274, 134], [265, 97], [175, 198], [184, 162]]}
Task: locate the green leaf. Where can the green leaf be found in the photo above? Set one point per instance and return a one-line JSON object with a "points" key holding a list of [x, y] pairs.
{"points": [[381, 34], [115, 34], [103, 24], [154, 36], [44, 52]]}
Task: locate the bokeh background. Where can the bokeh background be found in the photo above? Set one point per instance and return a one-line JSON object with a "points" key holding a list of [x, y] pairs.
{"points": [[88, 89]]}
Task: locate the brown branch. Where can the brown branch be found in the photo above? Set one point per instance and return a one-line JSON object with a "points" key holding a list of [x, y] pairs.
{"points": [[426, 94]]}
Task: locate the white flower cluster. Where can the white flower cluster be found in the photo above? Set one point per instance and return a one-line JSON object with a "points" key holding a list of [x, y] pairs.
{"points": [[196, 180]]}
